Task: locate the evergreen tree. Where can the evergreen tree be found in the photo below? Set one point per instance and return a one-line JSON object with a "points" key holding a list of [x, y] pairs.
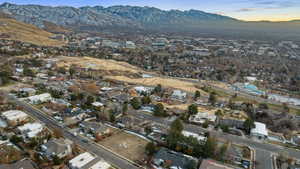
{"points": [[159, 110], [135, 103], [212, 98], [248, 125], [192, 109], [146, 100], [197, 94], [150, 148], [209, 148]]}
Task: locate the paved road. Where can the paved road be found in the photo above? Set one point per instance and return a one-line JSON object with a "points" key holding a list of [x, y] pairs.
{"points": [[88, 145], [263, 151], [264, 156]]}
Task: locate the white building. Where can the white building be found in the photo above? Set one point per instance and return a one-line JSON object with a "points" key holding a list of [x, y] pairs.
{"points": [[202, 117], [130, 45], [178, 94], [38, 99], [31, 130], [260, 131], [200, 138], [81, 160], [97, 104], [88, 161], [14, 117], [142, 89]]}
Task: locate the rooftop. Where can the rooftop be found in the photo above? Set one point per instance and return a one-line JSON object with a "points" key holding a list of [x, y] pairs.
{"points": [[260, 128], [14, 115], [82, 160], [178, 160]]}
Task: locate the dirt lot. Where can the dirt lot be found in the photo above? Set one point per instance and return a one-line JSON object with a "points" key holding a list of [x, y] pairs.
{"points": [[126, 145], [165, 82]]}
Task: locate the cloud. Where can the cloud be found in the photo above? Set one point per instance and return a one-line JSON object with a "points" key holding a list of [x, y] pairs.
{"points": [[269, 4], [275, 4], [247, 9]]}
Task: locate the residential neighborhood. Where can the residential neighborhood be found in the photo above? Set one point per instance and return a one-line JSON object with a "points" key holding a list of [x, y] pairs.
{"points": [[149, 100]]}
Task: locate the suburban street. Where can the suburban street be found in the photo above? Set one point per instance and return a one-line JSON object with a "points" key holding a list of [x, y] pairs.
{"points": [[85, 144]]}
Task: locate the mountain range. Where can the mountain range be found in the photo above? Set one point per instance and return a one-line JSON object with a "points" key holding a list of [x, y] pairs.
{"points": [[134, 18]]}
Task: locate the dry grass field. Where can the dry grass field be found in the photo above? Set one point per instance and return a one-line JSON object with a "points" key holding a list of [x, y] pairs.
{"points": [[97, 64], [126, 145], [26, 33], [165, 82]]}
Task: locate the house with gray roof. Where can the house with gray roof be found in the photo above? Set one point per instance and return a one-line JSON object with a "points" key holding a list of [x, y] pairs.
{"points": [[57, 147], [96, 128], [166, 158]]}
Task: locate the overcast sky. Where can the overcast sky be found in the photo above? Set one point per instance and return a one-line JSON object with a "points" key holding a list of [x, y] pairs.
{"points": [[274, 10]]}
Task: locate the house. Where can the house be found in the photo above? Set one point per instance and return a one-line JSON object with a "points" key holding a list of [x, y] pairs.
{"points": [[260, 131], [142, 89], [22, 164], [232, 123], [38, 99], [200, 138], [88, 161], [14, 117], [81, 160], [202, 117], [57, 147], [159, 133], [27, 91], [179, 95], [96, 128], [30, 130], [97, 104], [212, 164], [166, 158], [121, 98], [132, 122]]}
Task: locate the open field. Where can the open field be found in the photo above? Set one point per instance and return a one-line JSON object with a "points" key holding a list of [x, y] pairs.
{"points": [[184, 107], [97, 64], [165, 82], [126, 145], [26, 33]]}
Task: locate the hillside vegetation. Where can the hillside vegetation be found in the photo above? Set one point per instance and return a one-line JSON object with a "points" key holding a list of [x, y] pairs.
{"points": [[15, 30]]}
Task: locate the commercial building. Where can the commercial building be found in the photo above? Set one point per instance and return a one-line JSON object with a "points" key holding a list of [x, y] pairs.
{"points": [[38, 99], [260, 131], [14, 117]]}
